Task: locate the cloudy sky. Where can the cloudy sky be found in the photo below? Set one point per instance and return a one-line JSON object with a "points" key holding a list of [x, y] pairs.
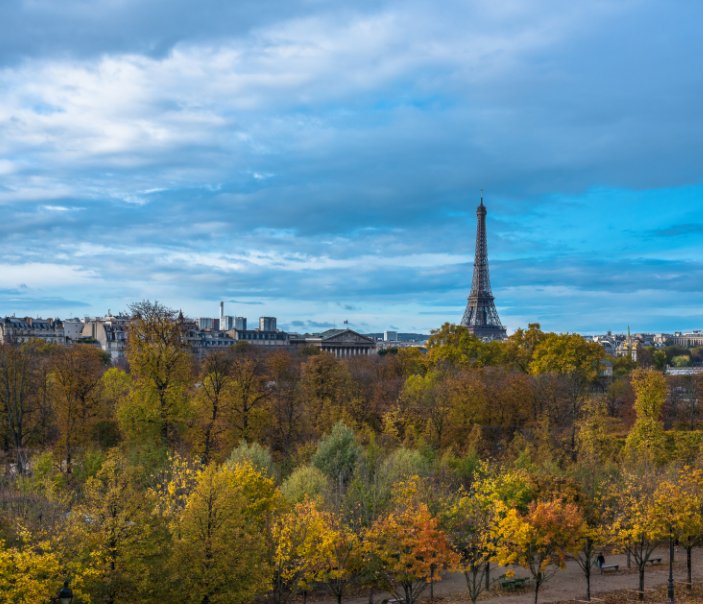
{"points": [[321, 161]]}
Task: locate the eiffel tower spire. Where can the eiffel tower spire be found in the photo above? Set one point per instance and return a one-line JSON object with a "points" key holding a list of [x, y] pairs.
{"points": [[481, 316]]}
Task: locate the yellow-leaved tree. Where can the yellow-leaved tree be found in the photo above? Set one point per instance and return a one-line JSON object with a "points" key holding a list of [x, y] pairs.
{"points": [[343, 558], [29, 572], [635, 519], [115, 540], [469, 521], [539, 539], [678, 503], [303, 542], [160, 365], [220, 552], [646, 442]]}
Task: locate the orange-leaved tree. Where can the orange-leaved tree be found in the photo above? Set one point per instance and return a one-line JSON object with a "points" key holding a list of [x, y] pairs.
{"points": [[406, 549], [539, 539]]}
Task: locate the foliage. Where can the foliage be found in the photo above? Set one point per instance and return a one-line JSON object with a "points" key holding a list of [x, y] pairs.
{"points": [[306, 482], [29, 572], [218, 553], [406, 549], [253, 453], [646, 442], [540, 539]]}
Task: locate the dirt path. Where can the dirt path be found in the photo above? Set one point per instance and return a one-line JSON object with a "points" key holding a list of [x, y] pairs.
{"points": [[567, 584]]}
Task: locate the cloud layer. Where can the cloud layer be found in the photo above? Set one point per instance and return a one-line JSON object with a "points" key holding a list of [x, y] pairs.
{"points": [[324, 160]]}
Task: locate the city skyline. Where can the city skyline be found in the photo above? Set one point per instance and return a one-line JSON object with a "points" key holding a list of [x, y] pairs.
{"points": [[321, 162]]}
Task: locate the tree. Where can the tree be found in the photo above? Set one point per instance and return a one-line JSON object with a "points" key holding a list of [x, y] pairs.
{"points": [[254, 454], [115, 536], [161, 367], [303, 541], [342, 558], [679, 507], [76, 379], [646, 442], [249, 392], [305, 482], [469, 522], [29, 572], [425, 397], [18, 403], [327, 387], [455, 346], [635, 519], [219, 555], [540, 539], [591, 496], [407, 550], [336, 456], [286, 406], [520, 346], [213, 404], [575, 358]]}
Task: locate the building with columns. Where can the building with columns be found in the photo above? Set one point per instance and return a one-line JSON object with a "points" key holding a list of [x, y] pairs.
{"points": [[342, 343]]}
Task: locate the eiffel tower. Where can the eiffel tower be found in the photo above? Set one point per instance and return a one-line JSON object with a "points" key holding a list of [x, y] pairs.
{"points": [[481, 316]]}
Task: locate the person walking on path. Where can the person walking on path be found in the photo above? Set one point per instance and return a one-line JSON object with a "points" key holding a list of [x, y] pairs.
{"points": [[600, 560]]}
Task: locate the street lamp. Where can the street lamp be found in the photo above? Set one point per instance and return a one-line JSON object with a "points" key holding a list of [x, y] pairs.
{"points": [[65, 594], [670, 582]]}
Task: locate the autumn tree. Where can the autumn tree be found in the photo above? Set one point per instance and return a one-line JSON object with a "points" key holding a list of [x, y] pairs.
{"points": [[249, 392], [635, 521], [285, 404], [342, 556], [29, 571], [592, 494], [303, 540], [116, 541], [540, 539], [406, 549], [18, 404], [577, 360], [161, 368], [76, 379], [426, 401], [646, 442], [519, 347], [219, 550], [213, 405], [678, 502], [469, 521], [328, 390], [455, 346]]}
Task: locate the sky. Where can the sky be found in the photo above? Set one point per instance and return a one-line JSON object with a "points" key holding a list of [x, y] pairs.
{"points": [[321, 161]]}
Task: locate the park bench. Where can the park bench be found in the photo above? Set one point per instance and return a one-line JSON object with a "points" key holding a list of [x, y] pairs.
{"points": [[654, 561], [610, 568], [513, 583]]}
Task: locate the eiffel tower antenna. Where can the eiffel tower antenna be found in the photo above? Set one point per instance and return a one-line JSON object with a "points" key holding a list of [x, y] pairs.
{"points": [[481, 316]]}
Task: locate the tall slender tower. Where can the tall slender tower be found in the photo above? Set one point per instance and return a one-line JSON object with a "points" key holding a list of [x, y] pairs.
{"points": [[481, 316]]}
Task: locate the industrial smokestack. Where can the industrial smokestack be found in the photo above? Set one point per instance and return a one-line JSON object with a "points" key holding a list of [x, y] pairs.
{"points": [[222, 314]]}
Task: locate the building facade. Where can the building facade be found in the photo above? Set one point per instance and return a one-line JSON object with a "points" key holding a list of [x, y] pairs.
{"points": [[18, 330]]}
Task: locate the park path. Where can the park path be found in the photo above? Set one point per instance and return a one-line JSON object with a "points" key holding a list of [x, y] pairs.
{"points": [[567, 584]]}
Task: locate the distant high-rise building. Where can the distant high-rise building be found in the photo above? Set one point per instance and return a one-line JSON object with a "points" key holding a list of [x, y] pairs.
{"points": [[481, 316], [267, 323], [390, 336]]}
